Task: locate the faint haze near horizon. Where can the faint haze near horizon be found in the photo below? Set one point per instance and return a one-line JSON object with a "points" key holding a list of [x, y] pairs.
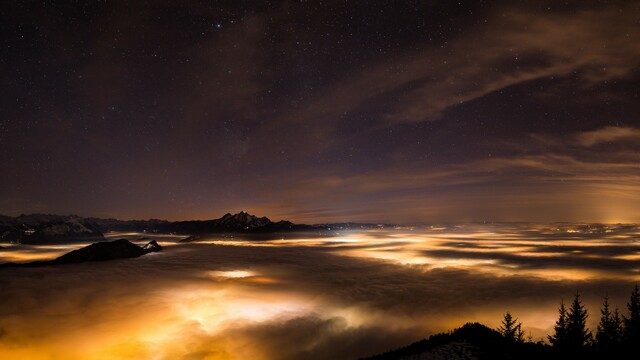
{"points": [[308, 218]]}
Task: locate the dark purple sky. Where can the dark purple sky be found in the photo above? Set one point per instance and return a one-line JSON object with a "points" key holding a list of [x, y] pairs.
{"points": [[407, 111]]}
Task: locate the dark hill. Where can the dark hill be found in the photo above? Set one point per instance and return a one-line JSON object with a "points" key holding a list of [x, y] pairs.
{"points": [[117, 249], [471, 341], [100, 251]]}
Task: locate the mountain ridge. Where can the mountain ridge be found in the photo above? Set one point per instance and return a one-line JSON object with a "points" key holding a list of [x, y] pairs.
{"points": [[50, 228]]}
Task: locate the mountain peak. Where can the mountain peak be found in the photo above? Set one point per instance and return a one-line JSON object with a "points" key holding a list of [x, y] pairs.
{"points": [[242, 221]]}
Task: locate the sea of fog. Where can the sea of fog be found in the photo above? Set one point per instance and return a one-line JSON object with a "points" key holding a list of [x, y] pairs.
{"points": [[329, 297]]}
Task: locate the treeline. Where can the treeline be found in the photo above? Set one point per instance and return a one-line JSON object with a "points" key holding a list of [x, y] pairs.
{"points": [[615, 335]]}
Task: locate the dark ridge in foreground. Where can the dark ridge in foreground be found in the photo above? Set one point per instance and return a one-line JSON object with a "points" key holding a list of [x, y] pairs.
{"points": [[471, 341], [101, 251], [474, 341]]}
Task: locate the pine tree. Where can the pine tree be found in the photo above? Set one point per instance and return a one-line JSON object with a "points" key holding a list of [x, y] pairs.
{"points": [[617, 324], [577, 336], [559, 339], [519, 334], [511, 329], [610, 328], [632, 322]]}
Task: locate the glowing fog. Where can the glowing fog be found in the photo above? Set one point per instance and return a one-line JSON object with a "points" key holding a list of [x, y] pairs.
{"points": [[339, 297]]}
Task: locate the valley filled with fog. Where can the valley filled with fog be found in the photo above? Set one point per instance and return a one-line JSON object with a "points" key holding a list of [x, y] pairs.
{"points": [[350, 294]]}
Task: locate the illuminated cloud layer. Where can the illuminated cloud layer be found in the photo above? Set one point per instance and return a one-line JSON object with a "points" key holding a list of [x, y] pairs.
{"points": [[315, 298]]}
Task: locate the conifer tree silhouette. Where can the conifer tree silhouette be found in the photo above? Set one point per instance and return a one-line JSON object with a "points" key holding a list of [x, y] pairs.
{"points": [[511, 329], [631, 333], [559, 338], [577, 336], [609, 330]]}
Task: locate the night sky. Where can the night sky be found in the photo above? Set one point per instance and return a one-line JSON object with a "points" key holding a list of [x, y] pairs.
{"points": [[322, 111]]}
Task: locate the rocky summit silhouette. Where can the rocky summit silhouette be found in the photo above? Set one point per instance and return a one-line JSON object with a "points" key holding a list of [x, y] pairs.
{"points": [[152, 246], [242, 220]]}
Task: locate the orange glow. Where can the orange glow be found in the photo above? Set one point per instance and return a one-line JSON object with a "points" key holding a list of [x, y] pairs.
{"points": [[28, 253], [240, 274], [224, 298]]}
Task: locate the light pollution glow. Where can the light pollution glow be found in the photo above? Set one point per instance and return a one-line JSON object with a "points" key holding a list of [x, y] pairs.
{"points": [[310, 297]]}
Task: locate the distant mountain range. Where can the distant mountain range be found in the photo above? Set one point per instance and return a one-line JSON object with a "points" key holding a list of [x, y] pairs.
{"points": [[47, 229]]}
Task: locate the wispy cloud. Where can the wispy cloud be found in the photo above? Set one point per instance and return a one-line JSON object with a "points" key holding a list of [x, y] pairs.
{"points": [[609, 134], [511, 48]]}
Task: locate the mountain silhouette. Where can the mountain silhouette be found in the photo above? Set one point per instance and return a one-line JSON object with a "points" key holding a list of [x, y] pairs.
{"points": [[49, 229], [100, 251]]}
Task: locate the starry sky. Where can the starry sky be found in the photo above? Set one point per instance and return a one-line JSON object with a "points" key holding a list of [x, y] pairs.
{"points": [[322, 111]]}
